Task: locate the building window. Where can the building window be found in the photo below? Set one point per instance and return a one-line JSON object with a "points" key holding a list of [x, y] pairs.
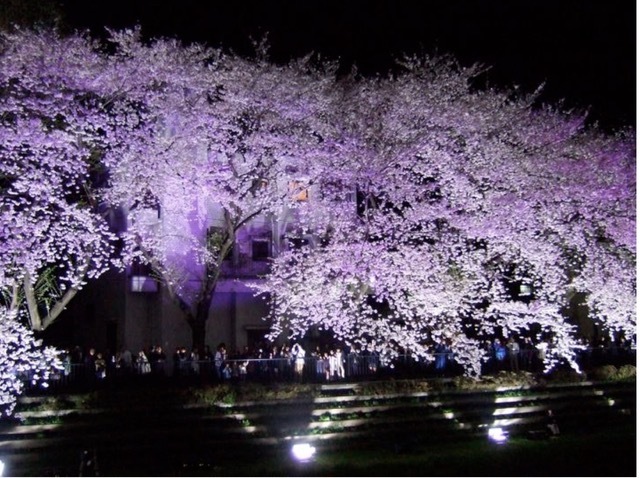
{"points": [[297, 243], [141, 276], [298, 191], [525, 290], [143, 284], [260, 249]]}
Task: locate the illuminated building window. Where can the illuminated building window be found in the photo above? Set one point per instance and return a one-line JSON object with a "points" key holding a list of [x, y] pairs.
{"points": [[298, 191], [525, 290], [141, 276]]}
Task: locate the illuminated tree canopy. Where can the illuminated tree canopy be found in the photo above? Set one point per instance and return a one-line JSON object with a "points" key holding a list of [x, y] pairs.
{"points": [[465, 198], [438, 212], [53, 135], [220, 135]]}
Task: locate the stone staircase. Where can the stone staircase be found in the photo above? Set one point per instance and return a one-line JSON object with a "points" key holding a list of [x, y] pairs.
{"points": [[151, 435]]}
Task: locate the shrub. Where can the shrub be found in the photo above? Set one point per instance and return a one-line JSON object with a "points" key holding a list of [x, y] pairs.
{"points": [[605, 372], [491, 382], [567, 375], [214, 394], [626, 372], [250, 392], [392, 387]]}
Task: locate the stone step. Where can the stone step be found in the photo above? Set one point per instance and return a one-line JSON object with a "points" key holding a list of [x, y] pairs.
{"points": [[133, 435]]}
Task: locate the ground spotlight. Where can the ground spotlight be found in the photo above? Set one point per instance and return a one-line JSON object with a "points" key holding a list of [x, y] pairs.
{"points": [[1, 468], [497, 434], [303, 452]]}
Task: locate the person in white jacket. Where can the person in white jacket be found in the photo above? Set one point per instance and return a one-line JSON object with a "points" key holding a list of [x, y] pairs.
{"points": [[298, 353]]}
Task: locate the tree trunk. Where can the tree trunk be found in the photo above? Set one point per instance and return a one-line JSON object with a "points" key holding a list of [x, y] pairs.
{"points": [[198, 333], [198, 322]]}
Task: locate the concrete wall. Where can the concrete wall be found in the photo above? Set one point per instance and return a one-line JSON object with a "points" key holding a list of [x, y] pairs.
{"points": [[153, 319]]}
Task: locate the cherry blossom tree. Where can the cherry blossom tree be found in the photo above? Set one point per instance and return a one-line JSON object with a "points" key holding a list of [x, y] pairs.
{"points": [[432, 204], [22, 359], [206, 138], [223, 137], [54, 138], [464, 197], [53, 236]]}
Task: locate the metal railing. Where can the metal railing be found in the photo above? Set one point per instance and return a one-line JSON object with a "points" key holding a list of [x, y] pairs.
{"points": [[311, 369]]}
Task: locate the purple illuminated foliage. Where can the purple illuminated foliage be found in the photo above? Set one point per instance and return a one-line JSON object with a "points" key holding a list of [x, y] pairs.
{"points": [[462, 194], [53, 126], [22, 359], [222, 134]]}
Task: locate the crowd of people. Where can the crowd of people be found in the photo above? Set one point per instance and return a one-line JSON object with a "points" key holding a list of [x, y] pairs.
{"points": [[284, 362], [288, 362]]}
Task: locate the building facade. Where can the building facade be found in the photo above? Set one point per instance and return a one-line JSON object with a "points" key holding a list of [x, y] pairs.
{"points": [[130, 309]]}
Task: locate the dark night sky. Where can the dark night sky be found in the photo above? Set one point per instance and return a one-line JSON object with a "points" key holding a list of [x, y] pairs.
{"points": [[584, 50]]}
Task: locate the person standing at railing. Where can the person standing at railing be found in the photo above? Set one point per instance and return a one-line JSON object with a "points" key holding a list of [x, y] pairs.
{"points": [[90, 365], [274, 363], [339, 363], [100, 367], [125, 359], [219, 359], [206, 362], [352, 363], [287, 365], [319, 360], [66, 363], [177, 362], [326, 366], [500, 353], [513, 348], [157, 359], [142, 363], [333, 365], [441, 359], [526, 354], [243, 363], [194, 360], [541, 353], [297, 355]]}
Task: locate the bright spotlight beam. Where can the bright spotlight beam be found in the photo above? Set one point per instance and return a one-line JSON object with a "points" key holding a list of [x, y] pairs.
{"points": [[497, 434], [303, 451]]}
